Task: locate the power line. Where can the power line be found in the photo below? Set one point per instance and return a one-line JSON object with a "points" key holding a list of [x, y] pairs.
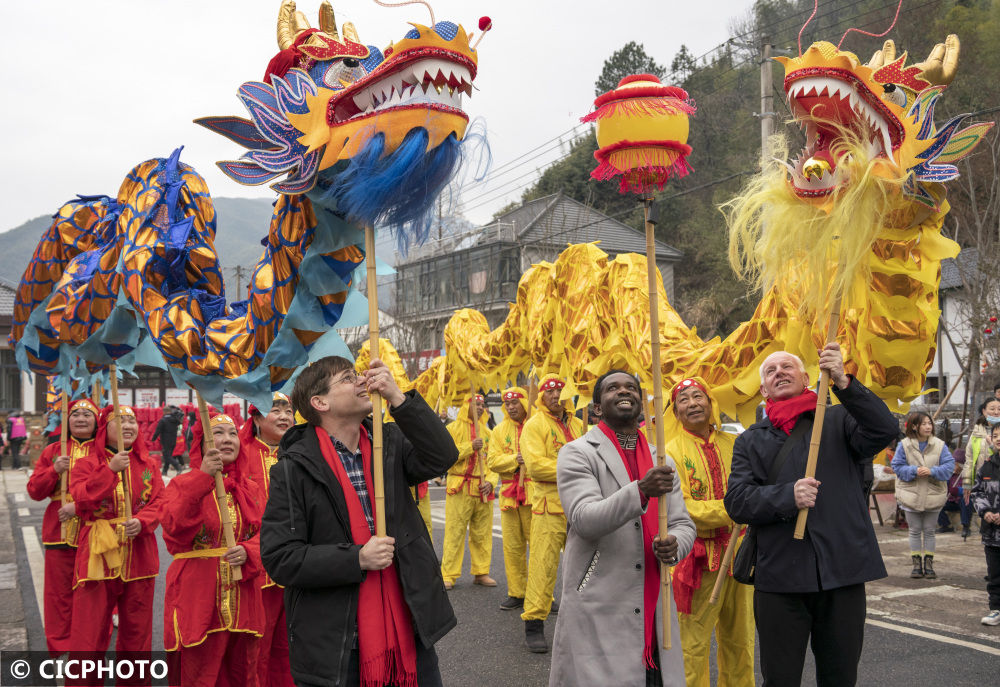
{"points": [[490, 195]]}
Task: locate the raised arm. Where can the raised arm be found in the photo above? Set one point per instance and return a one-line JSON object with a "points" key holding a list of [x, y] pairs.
{"points": [[868, 425], [428, 448], [589, 512], [748, 500]]}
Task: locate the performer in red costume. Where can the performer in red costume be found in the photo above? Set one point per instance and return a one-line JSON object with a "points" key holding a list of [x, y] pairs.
{"points": [[117, 560], [259, 439], [60, 524], [211, 623]]}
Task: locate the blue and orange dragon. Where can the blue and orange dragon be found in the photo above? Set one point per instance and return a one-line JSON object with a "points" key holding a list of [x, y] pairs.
{"points": [[350, 135]]}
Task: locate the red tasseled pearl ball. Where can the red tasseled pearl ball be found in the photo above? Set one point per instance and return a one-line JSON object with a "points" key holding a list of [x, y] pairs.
{"points": [[485, 23]]}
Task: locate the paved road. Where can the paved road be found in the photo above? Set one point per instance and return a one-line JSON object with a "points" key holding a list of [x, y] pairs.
{"points": [[919, 633]]}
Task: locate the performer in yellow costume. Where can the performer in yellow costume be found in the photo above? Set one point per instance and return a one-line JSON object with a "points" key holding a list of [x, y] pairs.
{"points": [[505, 459], [468, 505], [544, 433], [703, 455]]}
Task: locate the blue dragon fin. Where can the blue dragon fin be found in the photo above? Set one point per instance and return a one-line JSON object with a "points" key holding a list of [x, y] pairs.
{"points": [[238, 130]]}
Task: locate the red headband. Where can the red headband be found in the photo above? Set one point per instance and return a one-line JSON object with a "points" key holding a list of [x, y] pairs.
{"points": [[551, 384], [278, 396], [479, 397], [83, 404], [511, 395], [686, 384]]}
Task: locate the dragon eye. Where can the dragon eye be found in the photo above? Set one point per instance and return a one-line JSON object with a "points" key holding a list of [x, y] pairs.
{"points": [[347, 70], [894, 94]]}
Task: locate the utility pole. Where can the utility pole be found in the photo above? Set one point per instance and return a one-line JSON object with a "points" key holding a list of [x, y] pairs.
{"points": [[239, 280], [767, 113]]}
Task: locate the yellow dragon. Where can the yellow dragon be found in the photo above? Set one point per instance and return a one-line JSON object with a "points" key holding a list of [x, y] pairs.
{"points": [[859, 211]]}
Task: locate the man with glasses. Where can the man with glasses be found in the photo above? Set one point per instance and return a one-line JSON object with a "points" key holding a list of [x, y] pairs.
{"points": [[361, 609]]}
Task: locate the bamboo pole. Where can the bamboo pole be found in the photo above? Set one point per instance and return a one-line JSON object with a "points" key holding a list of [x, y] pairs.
{"points": [[532, 395], [475, 454], [126, 491], [817, 428], [727, 559], [97, 393], [373, 347], [654, 341], [64, 451], [220, 487], [945, 401]]}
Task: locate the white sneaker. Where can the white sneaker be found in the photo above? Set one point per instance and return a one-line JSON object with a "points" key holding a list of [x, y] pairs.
{"points": [[991, 618]]}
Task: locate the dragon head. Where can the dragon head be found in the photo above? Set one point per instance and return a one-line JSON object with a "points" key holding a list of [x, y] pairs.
{"points": [[874, 162], [331, 106], [889, 109]]}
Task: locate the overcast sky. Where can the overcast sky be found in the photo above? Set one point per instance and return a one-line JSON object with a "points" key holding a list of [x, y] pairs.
{"points": [[94, 87]]}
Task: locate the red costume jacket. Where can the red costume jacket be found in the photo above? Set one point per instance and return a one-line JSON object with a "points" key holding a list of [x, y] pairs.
{"points": [[100, 503], [261, 458], [44, 483], [201, 596]]}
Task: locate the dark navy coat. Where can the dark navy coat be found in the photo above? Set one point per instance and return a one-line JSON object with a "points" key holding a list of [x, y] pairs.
{"points": [[839, 547]]}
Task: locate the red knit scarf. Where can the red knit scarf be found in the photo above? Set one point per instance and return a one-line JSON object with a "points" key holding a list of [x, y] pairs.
{"points": [[650, 528], [385, 629], [783, 414]]}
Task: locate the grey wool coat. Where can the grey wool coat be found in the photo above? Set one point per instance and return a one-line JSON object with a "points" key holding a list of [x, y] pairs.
{"points": [[599, 633]]}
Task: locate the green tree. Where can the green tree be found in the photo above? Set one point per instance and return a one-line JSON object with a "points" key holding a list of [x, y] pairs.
{"points": [[631, 59], [683, 64]]}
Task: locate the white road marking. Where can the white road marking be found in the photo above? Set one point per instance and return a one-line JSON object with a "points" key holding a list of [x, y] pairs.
{"points": [[36, 562], [914, 592], [19, 497], [937, 638], [23, 512]]}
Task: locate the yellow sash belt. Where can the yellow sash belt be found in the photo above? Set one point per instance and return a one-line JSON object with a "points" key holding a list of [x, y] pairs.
{"points": [[104, 547], [202, 553]]}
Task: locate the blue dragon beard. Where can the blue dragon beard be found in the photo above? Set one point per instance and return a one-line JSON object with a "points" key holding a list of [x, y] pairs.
{"points": [[398, 190]]}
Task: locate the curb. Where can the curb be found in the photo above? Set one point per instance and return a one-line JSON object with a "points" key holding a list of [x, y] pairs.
{"points": [[13, 632]]}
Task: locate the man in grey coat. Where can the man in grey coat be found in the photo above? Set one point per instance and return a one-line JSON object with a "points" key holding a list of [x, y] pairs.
{"points": [[609, 620]]}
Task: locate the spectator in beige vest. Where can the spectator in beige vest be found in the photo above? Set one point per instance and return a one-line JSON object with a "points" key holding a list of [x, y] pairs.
{"points": [[922, 465]]}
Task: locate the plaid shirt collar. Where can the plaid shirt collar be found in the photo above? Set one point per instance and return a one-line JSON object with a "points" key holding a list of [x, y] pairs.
{"points": [[354, 466]]}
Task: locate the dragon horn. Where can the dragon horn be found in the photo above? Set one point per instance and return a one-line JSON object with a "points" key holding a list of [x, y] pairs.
{"points": [[285, 34], [327, 22], [887, 55], [299, 23], [350, 33], [940, 66]]}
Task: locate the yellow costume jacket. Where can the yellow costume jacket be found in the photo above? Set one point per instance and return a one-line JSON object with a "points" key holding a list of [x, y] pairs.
{"points": [[541, 439], [463, 476], [704, 485], [502, 459]]}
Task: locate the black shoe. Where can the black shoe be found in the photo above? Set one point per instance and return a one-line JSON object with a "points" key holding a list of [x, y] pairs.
{"points": [[555, 607], [965, 532], [944, 529], [511, 603], [534, 636], [929, 573], [918, 570]]}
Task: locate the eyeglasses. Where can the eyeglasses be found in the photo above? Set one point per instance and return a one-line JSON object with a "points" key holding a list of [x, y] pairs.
{"points": [[350, 377]]}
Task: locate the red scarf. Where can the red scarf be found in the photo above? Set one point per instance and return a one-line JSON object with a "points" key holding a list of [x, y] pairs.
{"points": [[783, 414], [385, 629], [650, 528], [515, 488]]}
